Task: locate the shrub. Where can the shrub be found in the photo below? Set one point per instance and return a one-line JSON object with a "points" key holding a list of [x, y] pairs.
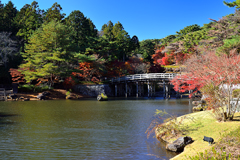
{"points": [[42, 88], [235, 93], [214, 156], [227, 148], [166, 125], [25, 88], [33, 88]]}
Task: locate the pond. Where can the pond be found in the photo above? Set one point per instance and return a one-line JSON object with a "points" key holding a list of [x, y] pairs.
{"points": [[83, 129]]}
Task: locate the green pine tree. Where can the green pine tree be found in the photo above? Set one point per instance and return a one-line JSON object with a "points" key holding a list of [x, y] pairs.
{"points": [[28, 19], [48, 53], [54, 13], [82, 28], [9, 13], [233, 4]]}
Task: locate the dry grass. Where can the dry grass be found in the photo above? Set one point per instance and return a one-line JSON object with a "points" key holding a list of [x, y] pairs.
{"points": [[205, 125]]}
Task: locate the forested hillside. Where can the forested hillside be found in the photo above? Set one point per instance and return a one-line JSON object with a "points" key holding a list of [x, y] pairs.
{"points": [[47, 47]]}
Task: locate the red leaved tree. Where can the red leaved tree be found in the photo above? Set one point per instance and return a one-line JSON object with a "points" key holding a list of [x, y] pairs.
{"points": [[89, 71], [165, 56], [216, 77], [17, 76], [118, 68], [69, 82]]}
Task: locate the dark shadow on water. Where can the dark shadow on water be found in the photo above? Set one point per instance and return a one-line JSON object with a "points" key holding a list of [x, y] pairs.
{"points": [[4, 119], [3, 114], [158, 150], [132, 98], [142, 98]]}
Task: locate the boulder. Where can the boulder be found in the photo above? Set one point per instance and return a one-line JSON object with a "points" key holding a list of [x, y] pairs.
{"points": [[21, 98], [26, 99], [198, 108], [41, 96], [13, 96], [195, 103], [45, 93], [69, 97], [179, 144]]}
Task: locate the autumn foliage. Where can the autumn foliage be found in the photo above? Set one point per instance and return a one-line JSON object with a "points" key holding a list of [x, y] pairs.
{"points": [[118, 68], [216, 77], [17, 76], [162, 57], [69, 82], [88, 71]]}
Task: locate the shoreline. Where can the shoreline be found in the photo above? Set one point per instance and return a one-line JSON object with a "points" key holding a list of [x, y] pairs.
{"points": [[203, 124], [55, 94]]}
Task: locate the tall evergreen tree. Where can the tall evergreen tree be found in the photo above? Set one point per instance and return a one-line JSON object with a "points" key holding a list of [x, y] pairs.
{"points": [[93, 32], [119, 39], [82, 28], [28, 19], [147, 49], [48, 53], [122, 40], [54, 13], [9, 13], [107, 31], [1, 17]]}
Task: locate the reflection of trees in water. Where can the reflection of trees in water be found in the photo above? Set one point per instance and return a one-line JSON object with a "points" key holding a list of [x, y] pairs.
{"points": [[4, 118], [158, 150]]}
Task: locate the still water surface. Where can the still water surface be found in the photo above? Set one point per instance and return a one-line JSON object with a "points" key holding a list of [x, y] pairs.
{"points": [[84, 129]]}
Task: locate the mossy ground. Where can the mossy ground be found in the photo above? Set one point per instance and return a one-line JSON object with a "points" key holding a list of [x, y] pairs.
{"points": [[203, 124]]}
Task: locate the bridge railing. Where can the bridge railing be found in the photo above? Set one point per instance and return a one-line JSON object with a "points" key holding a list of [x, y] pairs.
{"points": [[144, 77], [4, 93]]}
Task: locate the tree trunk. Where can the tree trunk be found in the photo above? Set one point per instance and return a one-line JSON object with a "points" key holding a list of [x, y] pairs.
{"points": [[225, 116]]}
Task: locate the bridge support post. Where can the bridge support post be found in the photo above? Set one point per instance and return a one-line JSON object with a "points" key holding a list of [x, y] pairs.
{"points": [[126, 89], [166, 92], [154, 89], [115, 90], [148, 88], [151, 89], [137, 89], [169, 91], [140, 89], [164, 89]]}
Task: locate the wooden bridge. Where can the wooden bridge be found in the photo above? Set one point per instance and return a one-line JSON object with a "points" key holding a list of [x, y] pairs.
{"points": [[144, 77], [4, 93], [127, 84]]}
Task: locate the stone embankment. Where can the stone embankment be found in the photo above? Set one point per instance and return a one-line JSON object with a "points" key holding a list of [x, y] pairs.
{"points": [[93, 90]]}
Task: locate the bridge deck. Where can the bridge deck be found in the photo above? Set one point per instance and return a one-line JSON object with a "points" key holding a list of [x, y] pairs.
{"points": [[148, 76]]}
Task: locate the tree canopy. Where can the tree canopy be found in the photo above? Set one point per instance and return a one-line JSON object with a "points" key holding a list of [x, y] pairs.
{"points": [[48, 53]]}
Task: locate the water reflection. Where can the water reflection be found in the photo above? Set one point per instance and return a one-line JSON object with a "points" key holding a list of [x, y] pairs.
{"points": [[85, 129], [5, 119]]}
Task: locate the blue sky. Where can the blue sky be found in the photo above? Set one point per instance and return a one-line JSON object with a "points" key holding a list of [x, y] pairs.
{"points": [[147, 19]]}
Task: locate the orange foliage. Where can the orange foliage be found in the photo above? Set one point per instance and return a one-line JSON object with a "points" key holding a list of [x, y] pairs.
{"points": [[17, 76], [166, 59], [69, 82], [118, 69], [88, 72]]}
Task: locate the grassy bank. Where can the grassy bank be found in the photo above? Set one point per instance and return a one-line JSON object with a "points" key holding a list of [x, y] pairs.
{"points": [[203, 124]]}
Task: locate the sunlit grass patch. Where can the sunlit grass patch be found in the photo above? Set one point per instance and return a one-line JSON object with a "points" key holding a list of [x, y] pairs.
{"points": [[206, 125]]}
